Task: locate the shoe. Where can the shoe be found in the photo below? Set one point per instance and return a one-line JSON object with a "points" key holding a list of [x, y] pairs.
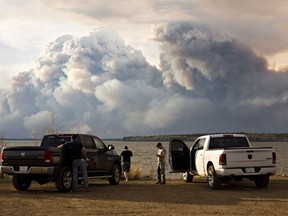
{"points": [[158, 182], [87, 190], [126, 180], [163, 183]]}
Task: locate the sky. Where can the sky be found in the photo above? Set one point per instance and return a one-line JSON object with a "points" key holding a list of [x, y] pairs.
{"points": [[147, 67]]}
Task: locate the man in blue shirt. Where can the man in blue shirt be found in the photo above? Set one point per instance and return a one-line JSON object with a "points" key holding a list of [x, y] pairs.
{"points": [[77, 154]]}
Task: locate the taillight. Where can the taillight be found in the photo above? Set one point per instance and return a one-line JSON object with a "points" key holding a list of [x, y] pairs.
{"points": [[48, 156], [2, 156], [228, 135], [274, 157], [222, 159]]}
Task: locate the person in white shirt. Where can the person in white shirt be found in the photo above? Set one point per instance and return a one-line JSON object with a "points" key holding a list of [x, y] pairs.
{"points": [[161, 157]]}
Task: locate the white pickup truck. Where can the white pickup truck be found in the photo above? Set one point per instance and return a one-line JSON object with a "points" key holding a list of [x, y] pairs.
{"points": [[222, 157]]}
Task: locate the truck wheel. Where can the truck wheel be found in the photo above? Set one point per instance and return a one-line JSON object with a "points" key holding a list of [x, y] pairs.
{"points": [[21, 182], [187, 177], [213, 180], [237, 178], [114, 180], [63, 182], [261, 181]]}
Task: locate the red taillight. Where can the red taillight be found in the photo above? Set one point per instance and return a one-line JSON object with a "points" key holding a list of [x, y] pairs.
{"points": [[228, 135], [222, 159], [2, 156], [274, 157], [48, 157]]}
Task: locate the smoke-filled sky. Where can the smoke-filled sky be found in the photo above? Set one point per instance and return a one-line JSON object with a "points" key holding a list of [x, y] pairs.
{"points": [[127, 68]]}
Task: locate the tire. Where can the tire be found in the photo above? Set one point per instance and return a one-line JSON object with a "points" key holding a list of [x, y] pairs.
{"points": [[238, 178], [116, 174], [187, 177], [42, 181], [63, 182], [261, 181], [21, 182], [213, 181]]}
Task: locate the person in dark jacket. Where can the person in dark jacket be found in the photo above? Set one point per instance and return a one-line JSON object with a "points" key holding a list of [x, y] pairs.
{"points": [[77, 154], [126, 162]]}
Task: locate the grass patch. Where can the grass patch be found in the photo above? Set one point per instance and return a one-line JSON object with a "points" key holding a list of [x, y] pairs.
{"points": [[134, 174], [6, 180]]}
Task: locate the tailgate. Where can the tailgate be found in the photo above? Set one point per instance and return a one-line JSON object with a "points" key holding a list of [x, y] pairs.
{"points": [[24, 156], [252, 157]]}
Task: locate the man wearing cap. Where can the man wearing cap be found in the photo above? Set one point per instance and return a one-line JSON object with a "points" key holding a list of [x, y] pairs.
{"points": [[161, 155], [126, 162]]}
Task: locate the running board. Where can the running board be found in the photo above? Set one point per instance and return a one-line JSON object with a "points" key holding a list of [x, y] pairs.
{"points": [[96, 177]]}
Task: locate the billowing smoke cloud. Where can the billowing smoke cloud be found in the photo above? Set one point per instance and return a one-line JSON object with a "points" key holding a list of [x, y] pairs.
{"points": [[243, 93], [207, 82]]}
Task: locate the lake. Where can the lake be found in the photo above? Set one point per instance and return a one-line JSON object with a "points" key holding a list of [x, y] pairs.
{"points": [[144, 154]]}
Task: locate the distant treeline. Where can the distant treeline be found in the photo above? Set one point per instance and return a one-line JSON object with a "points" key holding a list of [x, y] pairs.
{"points": [[253, 137]]}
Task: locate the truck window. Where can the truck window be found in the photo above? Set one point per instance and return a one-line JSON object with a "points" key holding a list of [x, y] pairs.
{"points": [[228, 142], [54, 140], [201, 144], [88, 142], [177, 146], [99, 144], [179, 155]]}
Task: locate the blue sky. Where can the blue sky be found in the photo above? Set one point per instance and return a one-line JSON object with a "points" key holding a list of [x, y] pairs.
{"points": [[124, 68]]}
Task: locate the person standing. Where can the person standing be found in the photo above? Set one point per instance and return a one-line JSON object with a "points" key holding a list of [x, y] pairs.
{"points": [[126, 162], [77, 154], [161, 156]]}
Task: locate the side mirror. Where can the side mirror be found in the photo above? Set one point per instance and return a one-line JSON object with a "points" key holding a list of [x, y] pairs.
{"points": [[111, 147]]}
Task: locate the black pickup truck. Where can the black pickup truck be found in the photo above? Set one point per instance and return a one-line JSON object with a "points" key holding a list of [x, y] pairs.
{"points": [[46, 163]]}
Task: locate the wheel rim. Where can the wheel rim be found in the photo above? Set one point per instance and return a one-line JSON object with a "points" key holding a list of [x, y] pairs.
{"points": [[23, 181], [185, 176], [67, 179], [117, 174], [210, 176]]}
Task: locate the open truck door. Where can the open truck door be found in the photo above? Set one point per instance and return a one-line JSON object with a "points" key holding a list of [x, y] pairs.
{"points": [[179, 156]]}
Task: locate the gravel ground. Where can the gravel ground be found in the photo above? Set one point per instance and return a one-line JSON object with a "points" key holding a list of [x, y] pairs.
{"points": [[147, 198]]}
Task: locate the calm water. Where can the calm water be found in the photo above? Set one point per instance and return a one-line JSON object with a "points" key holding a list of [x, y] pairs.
{"points": [[144, 154]]}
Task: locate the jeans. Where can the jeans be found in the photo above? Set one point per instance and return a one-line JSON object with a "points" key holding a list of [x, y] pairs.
{"points": [[161, 173], [75, 167]]}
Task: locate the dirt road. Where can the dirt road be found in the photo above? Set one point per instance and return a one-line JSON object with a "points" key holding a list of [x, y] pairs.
{"points": [[147, 198]]}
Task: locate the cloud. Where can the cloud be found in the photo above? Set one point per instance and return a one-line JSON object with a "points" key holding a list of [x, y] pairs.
{"points": [[204, 63], [207, 82], [261, 26], [88, 82]]}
